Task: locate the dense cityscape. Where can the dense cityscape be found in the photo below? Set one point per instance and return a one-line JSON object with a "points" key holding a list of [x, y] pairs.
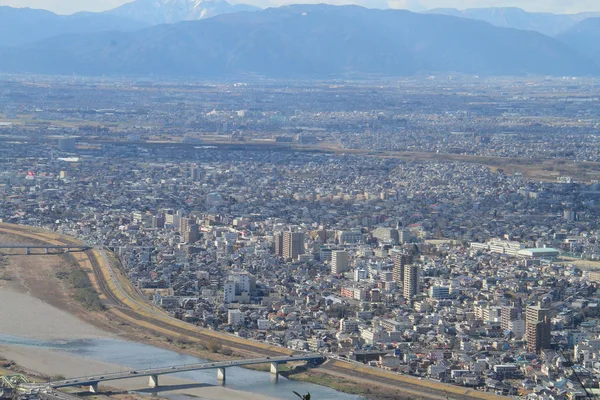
{"points": [[281, 213]]}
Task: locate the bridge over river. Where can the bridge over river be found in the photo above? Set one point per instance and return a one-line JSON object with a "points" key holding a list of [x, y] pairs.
{"points": [[46, 247], [154, 373]]}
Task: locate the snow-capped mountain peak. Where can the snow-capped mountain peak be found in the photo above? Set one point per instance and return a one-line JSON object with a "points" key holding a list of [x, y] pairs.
{"points": [[170, 11]]}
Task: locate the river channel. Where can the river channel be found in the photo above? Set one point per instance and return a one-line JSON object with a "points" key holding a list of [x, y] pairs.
{"points": [[132, 355]]}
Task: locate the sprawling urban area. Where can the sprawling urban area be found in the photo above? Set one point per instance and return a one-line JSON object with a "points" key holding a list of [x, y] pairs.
{"points": [[443, 227]]}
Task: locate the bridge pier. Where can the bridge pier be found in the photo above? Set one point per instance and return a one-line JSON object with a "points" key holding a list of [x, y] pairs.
{"points": [[275, 368], [28, 250], [94, 387], [221, 374], [153, 381], [47, 250]]}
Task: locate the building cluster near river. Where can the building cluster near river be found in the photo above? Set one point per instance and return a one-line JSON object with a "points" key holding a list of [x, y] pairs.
{"points": [[395, 267]]}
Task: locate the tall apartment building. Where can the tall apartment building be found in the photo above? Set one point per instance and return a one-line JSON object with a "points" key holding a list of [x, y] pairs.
{"points": [[190, 231], [278, 244], [293, 245], [537, 328], [158, 221], [195, 173], [229, 292], [339, 261], [400, 261], [404, 236], [235, 317], [172, 217], [507, 315], [411, 281]]}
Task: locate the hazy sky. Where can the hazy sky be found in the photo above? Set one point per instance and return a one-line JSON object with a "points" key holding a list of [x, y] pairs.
{"points": [[556, 6]]}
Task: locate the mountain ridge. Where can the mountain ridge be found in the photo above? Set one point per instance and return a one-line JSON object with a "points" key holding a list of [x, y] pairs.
{"points": [[19, 26], [305, 41], [584, 38], [513, 17]]}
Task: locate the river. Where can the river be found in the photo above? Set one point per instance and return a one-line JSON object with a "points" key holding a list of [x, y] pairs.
{"points": [[138, 356]]}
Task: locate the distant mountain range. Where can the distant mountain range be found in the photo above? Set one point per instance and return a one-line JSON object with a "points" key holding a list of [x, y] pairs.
{"points": [[511, 17], [304, 41], [25, 25], [156, 12], [584, 38]]}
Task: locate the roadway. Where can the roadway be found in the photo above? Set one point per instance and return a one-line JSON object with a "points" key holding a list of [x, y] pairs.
{"points": [[54, 395], [32, 246]]}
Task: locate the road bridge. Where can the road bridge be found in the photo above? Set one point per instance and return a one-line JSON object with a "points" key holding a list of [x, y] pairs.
{"points": [[154, 373], [46, 247]]}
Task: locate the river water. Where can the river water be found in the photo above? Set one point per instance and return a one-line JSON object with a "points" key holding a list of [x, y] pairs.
{"points": [[138, 356]]}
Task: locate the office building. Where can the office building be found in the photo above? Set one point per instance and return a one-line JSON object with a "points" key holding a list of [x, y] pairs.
{"points": [[439, 292], [325, 254]]}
